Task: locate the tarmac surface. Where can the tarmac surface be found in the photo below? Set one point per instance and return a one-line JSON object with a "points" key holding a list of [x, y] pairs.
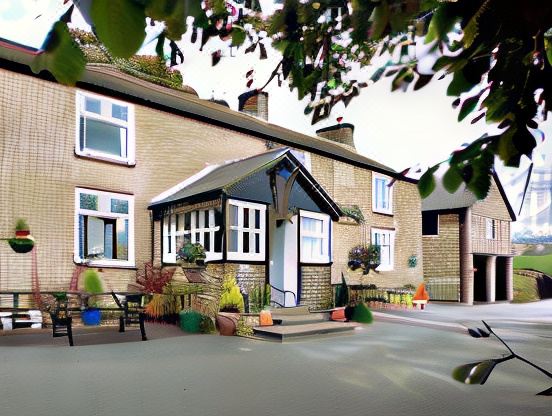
{"points": [[399, 365]]}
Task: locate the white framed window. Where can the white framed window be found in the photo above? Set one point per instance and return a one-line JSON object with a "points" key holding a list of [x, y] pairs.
{"points": [[315, 237], [246, 231], [385, 240], [490, 228], [104, 228], [200, 226], [105, 128], [382, 194]]}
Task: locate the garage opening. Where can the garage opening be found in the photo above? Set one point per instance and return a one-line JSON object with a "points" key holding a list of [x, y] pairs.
{"points": [[479, 278], [501, 279]]}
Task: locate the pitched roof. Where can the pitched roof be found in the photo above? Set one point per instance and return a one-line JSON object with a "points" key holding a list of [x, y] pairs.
{"points": [[108, 80], [217, 177], [441, 199]]}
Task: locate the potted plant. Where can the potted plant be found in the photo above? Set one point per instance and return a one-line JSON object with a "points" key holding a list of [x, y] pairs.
{"points": [[93, 285], [365, 257], [23, 242], [191, 253], [230, 306]]}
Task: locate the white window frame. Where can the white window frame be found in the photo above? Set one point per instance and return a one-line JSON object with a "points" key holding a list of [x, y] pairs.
{"points": [[491, 226], [391, 235], [81, 96], [375, 208], [169, 230], [240, 255], [104, 214], [325, 236]]}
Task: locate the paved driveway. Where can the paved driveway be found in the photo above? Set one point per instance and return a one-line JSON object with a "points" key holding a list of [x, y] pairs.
{"points": [[383, 369]]}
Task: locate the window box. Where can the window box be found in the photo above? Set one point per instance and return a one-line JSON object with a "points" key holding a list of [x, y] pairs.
{"points": [[104, 228], [315, 237], [385, 240], [382, 194], [105, 129]]}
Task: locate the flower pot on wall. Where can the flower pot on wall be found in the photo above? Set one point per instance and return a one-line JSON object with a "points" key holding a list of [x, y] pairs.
{"points": [[91, 316], [21, 245]]}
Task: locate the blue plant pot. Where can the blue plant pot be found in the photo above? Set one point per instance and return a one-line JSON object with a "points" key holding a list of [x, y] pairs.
{"points": [[91, 316]]}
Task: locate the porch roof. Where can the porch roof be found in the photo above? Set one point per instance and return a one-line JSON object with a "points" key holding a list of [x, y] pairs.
{"points": [[226, 177]]}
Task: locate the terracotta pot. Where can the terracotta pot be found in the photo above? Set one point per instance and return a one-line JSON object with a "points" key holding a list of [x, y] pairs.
{"points": [[22, 233], [227, 323]]}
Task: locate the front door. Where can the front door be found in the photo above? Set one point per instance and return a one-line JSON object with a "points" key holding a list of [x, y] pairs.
{"points": [[283, 260]]}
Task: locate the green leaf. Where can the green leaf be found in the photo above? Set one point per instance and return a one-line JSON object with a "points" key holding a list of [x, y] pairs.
{"points": [[548, 47], [61, 56], [426, 184], [474, 373], [441, 24], [238, 36], [452, 179], [467, 107], [120, 25], [459, 84]]}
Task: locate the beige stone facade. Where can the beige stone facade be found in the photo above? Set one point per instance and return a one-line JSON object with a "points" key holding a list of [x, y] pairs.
{"points": [[40, 170]]}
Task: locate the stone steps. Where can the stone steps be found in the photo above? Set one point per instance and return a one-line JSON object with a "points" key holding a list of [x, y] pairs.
{"points": [[293, 323]]}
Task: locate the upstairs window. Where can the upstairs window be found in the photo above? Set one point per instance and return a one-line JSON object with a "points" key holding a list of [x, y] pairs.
{"points": [[201, 226], [105, 128], [104, 228], [315, 237], [490, 226], [246, 231], [382, 194], [430, 223], [385, 240]]}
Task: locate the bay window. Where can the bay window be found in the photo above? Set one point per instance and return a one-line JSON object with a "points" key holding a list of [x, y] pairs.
{"points": [[104, 228], [315, 237], [385, 240], [246, 231], [202, 226]]}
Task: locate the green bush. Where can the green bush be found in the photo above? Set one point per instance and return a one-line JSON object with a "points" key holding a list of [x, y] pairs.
{"points": [[93, 282], [207, 325], [231, 300], [190, 321], [362, 314]]}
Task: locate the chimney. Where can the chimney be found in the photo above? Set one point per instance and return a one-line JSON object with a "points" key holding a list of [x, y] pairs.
{"points": [[340, 133], [254, 103]]}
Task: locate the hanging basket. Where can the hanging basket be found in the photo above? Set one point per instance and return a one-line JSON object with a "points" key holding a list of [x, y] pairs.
{"points": [[21, 245]]}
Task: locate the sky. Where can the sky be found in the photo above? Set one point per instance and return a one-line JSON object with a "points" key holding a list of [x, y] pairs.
{"points": [[399, 129]]}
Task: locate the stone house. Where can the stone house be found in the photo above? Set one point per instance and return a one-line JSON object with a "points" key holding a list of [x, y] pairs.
{"points": [[117, 171], [467, 245]]}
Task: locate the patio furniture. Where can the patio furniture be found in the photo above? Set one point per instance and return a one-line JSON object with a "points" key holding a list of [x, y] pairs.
{"points": [[132, 310]]}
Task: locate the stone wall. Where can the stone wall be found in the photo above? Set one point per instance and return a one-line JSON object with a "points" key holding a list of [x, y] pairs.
{"points": [[442, 252], [40, 171], [316, 290]]}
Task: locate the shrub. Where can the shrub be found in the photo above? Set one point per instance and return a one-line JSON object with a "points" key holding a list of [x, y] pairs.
{"points": [[362, 314], [93, 282], [231, 300], [190, 321], [364, 256], [154, 279], [21, 225], [207, 325]]}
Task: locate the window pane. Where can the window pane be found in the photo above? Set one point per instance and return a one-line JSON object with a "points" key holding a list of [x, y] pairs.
{"points": [[104, 137], [180, 222], [119, 206], [93, 105], [311, 247], [206, 219], [246, 218], [233, 215], [207, 241], [311, 225], [218, 241], [122, 239], [257, 243], [197, 238], [245, 243], [257, 219], [119, 111], [108, 241], [95, 237], [233, 241], [187, 221], [89, 201]]}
